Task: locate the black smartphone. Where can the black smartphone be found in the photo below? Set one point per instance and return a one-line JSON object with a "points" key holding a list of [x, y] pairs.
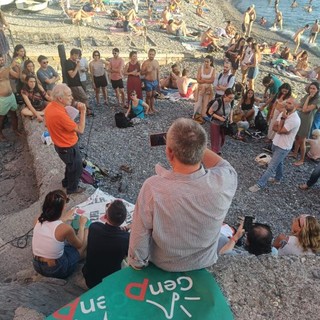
{"points": [[158, 139], [248, 222]]}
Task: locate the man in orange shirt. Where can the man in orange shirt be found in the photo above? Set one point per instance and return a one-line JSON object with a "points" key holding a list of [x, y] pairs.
{"points": [[63, 131]]}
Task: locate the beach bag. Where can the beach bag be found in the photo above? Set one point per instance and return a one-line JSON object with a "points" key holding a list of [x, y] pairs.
{"points": [[230, 129], [260, 122], [122, 121]]}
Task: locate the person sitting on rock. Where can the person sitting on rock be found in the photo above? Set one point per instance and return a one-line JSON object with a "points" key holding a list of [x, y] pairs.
{"points": [[304, 238], [35, 99], [178, 28], [314, 152], [108, 245], [56, 247], [187, 86], [209, 39], [170, 81], [165, 17]]}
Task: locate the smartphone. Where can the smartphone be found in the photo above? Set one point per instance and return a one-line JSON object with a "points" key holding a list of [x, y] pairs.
{"points": [[248, 222], [158, 139]]}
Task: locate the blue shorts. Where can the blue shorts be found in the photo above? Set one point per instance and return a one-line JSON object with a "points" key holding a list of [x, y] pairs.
{"points": [[151, 85], [64, 267], [253, 73]]}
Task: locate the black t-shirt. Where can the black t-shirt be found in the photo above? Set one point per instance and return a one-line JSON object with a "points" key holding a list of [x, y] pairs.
{"points": [[72, 82], [107, 247]]}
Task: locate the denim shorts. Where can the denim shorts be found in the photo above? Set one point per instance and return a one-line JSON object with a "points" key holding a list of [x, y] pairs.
{"points": [[151, 85], [64, 267]]}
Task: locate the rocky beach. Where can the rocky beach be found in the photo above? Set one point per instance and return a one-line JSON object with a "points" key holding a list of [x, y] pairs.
{"points": [[256, 287]]}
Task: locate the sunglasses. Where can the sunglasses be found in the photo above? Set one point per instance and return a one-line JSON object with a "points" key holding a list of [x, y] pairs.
{"points": [[96, 55], [45, 62], [115, 52], [133, 94]]}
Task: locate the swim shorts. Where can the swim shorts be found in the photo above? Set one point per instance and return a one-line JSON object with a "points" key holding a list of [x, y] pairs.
{"points": [[151, 85], [8, 104]]}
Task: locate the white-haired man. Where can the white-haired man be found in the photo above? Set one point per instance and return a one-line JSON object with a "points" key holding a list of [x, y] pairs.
{"points": [[179, 212], [64, 134]]}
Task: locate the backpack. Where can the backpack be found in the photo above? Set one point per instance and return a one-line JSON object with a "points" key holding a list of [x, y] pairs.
{"points": [[210, 105], [229, 78], [260, 122], [122, 121]]}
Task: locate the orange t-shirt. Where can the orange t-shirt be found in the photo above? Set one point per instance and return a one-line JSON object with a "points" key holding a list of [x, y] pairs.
{"points": [[60, 125]]}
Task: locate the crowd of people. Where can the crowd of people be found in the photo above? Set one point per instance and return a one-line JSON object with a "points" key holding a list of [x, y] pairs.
{"points": [[164, 230]]}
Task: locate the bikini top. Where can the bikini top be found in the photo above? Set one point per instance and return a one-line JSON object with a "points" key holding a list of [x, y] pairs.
{"points": [[206, 76]]}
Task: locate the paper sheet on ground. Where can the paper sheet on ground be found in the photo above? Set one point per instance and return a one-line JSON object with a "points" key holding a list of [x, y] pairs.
{"points": [[94, 207], [150, 293]]}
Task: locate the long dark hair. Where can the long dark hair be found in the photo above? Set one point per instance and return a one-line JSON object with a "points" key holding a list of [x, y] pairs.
{"points": [[53, 206], [209, 58], [316, 84], [17, 48], [245, 97], [26, 86], [287, 87]]}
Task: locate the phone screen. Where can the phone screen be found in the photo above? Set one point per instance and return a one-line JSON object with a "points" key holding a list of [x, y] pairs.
{"points": [[248, 221], [158, 139]]}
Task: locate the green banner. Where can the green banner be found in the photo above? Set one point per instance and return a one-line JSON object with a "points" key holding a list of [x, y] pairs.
{"points": [[150, 294]]}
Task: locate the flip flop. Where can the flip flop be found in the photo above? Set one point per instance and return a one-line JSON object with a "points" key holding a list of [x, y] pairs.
{"points": [[126, 168]]}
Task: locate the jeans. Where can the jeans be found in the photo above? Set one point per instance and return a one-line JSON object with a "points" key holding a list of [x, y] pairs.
{"points": [[275, 167], [315, 175], [72, 158], [64, 267]]}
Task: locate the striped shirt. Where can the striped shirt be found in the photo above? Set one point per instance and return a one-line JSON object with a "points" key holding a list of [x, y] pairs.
{"points": [[177, 217]]}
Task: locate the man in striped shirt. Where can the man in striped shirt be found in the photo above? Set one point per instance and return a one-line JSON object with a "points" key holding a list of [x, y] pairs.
{"points": [[179, 212]]}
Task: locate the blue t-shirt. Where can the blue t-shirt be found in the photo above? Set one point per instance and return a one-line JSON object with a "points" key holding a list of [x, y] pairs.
{"points": [[138, 110], [276, 85]]}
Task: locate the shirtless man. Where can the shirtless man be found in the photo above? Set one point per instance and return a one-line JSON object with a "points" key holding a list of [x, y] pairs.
{"points": [[297, 37], [8, 104], [170, 81], [278, 21], [116, 67], [253, 17], [178, 28], [187, 86], [150, 71], [315, 29]]}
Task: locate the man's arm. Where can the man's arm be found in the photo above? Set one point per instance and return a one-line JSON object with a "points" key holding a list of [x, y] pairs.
{"points": [[73, 72], [210, 158], [141, 230], [82, 123]]}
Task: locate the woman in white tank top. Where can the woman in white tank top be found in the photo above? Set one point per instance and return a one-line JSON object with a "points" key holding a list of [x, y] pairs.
{"points": [[52, 257], [205, 78], [304, 238]]}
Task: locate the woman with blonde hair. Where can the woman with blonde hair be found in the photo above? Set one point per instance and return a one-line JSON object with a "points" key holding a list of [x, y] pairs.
{"points": [[304, 238]]}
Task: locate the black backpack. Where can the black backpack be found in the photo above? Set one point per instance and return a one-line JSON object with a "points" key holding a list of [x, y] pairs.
{"points": [[211, 103], [260, 122], [122, 121]]}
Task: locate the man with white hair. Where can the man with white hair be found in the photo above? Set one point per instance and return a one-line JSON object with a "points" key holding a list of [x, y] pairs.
{"points": [[286, 128], [64, 134], [179, 212]]}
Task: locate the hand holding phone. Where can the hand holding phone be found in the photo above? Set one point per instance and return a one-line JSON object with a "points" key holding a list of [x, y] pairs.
{"points": [[158, 139], [248, 222]]}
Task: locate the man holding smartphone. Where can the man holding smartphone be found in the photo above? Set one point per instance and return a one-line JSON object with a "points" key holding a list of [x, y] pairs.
{"points": [[179, 212]]}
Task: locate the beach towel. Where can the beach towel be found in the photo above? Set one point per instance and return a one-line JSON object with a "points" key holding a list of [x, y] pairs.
{"points": [[150, 293], [175, 96]]}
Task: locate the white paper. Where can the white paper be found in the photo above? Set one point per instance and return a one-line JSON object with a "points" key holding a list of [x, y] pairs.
{"points": [[72, 112]]}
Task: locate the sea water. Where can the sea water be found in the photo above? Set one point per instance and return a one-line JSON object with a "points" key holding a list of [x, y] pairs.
{"points": [[293, 18]]}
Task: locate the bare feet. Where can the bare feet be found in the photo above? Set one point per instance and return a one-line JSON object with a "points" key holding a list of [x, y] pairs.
{"points": [[303, 186], [298, 163]]}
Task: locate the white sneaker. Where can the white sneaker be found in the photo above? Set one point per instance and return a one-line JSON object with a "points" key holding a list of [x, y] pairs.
{"points": [[273, 180], [254, 188]]}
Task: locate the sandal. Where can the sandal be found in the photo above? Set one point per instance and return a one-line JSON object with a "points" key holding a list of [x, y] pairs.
{"points": [[126, 168]]}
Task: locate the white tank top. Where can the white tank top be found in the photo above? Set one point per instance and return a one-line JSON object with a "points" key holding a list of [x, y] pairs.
{"points": [[206, 76], [44, 242]]}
